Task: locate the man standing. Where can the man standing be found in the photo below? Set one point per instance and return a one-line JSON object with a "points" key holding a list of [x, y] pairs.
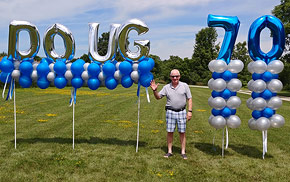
{"points": [[177, 94]]}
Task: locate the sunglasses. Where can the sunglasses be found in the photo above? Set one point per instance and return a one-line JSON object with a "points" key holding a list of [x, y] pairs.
{"points": [[175, 76]]}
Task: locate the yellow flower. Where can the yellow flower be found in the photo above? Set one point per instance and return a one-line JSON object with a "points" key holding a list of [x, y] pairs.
{"points": [[201, 110], [159, 121], [42, 120], [50, 115], [155, 131], [159, 174], [196, 131]]}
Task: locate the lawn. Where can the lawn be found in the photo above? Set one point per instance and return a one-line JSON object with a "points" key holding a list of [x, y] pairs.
{"points": [[105, 140]]}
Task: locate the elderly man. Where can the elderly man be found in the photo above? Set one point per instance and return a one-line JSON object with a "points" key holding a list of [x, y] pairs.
{"points": [[177, 94]]}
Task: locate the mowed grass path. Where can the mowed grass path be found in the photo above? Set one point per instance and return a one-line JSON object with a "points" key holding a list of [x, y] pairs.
{"points": [[105, 140]]}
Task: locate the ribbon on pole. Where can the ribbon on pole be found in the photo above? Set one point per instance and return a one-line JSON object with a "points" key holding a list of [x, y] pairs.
{"points": [[138, 124]]}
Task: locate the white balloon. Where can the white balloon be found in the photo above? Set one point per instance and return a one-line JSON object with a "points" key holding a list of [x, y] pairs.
{"points": [[211, 65], [117, 65], [250, 85], [16, 64], [218, 103], [86, 65], [252, 124], [259, 66], [250, 67], [275, 66], [219, 85], [277, 121], [259, 104], [233, 121], [234, 85], [274, 103], [68, 65], [218, 122], [210, 118], [68, 75], [209, 101], [235, 66], [275, 85], [135, 76], [219, 66], [249, 103], [258, 86], [15, 74], [34, 64], [234, 102], [209, 83], [85, 75], [263, 123], [51, 65], [117, 75], [50, 76], [101, 76], [34, 75], [135, 66]]}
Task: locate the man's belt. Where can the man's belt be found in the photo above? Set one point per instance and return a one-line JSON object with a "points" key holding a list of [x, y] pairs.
{"points": [[172, 109]]}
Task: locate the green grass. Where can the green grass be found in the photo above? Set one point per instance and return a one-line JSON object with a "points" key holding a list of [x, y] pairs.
{"points": [[105, 140]]}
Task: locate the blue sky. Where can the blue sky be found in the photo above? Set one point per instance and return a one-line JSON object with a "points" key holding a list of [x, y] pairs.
{"points": [[172, 24]]}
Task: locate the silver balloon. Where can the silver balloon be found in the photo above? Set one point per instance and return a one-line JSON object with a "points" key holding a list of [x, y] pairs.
{"points": [[68, 40], [250, 85], [117, 65], [209, 83], [135, 66], [234, 85], [101, 76], [135, 75], [16, 64], [233, 121], [249, 103], [250, 67], [16, 74], [50, 76], [219, 85], [210, 65], [85, 75], [86, 65], [235, 66], [218, 103], [259, 66], [258, 86], [51, 65], [274, 103], [35, 64], [219, 66], [68, 65], [68, 75], [34, 75], [234, 102], [263, 123], [117, 75], [93, 42], [277, 121], [218, 122], [14, 29], [252, 124], [275, 85], [142, 45], [209, 101], [275, 66], [259, 104], [210, 118]]}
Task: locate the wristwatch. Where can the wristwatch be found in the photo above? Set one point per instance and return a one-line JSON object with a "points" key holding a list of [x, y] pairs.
{"points": [[189, 110]]}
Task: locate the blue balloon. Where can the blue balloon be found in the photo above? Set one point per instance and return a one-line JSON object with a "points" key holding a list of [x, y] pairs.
{"points": [[43, 83], [3, 77], [145, 79], [231, 25], [255, 95], [226, 112], [216, 75], [111, 83], [277, 30], [77, 82], [215, 94], [233, 111], [26, 68], [235, 75], [80, 61], [93, 83], [109, 69], [6, 65], [274, 94], [266, 94], [267, 76], [25, 81], [275, 76], [60, 82], [59, 67], [77, 68], [215, 112], [125, 68], [227, 75], [94, 70], [267, 112], [42, 69], [256, 114], [256, 76], [127, 81], [226, 94], [152, 63], [234, 93], [144, 67]]}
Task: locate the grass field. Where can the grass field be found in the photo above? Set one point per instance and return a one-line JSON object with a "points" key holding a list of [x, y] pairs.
{"points": [[105, 140]]}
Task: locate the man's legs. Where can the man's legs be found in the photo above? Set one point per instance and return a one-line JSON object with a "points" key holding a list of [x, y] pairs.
{"points": [[169, 141], [182, 142]]}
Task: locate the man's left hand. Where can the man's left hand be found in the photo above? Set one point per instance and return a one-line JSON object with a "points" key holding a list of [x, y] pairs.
{"points": [[188, 116]]}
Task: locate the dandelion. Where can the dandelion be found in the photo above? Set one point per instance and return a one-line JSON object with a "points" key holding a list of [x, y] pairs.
{"points": [[201, 110], [196, 131], [171, 173], [51, 115], [42, 120], [159, 121], [159, 174], [2, 117], [155, 131]]}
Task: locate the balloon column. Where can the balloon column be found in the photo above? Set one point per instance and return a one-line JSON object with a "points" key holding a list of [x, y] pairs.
{"points": [[224, 82], [58, 70], [265, 83]]}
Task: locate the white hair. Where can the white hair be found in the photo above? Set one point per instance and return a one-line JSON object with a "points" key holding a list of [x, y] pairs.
{"points": [[174, 70]]}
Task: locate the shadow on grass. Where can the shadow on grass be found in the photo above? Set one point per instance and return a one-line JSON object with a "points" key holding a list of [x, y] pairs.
{"points": [[249, 151], [92, 140], [210, 149]]}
